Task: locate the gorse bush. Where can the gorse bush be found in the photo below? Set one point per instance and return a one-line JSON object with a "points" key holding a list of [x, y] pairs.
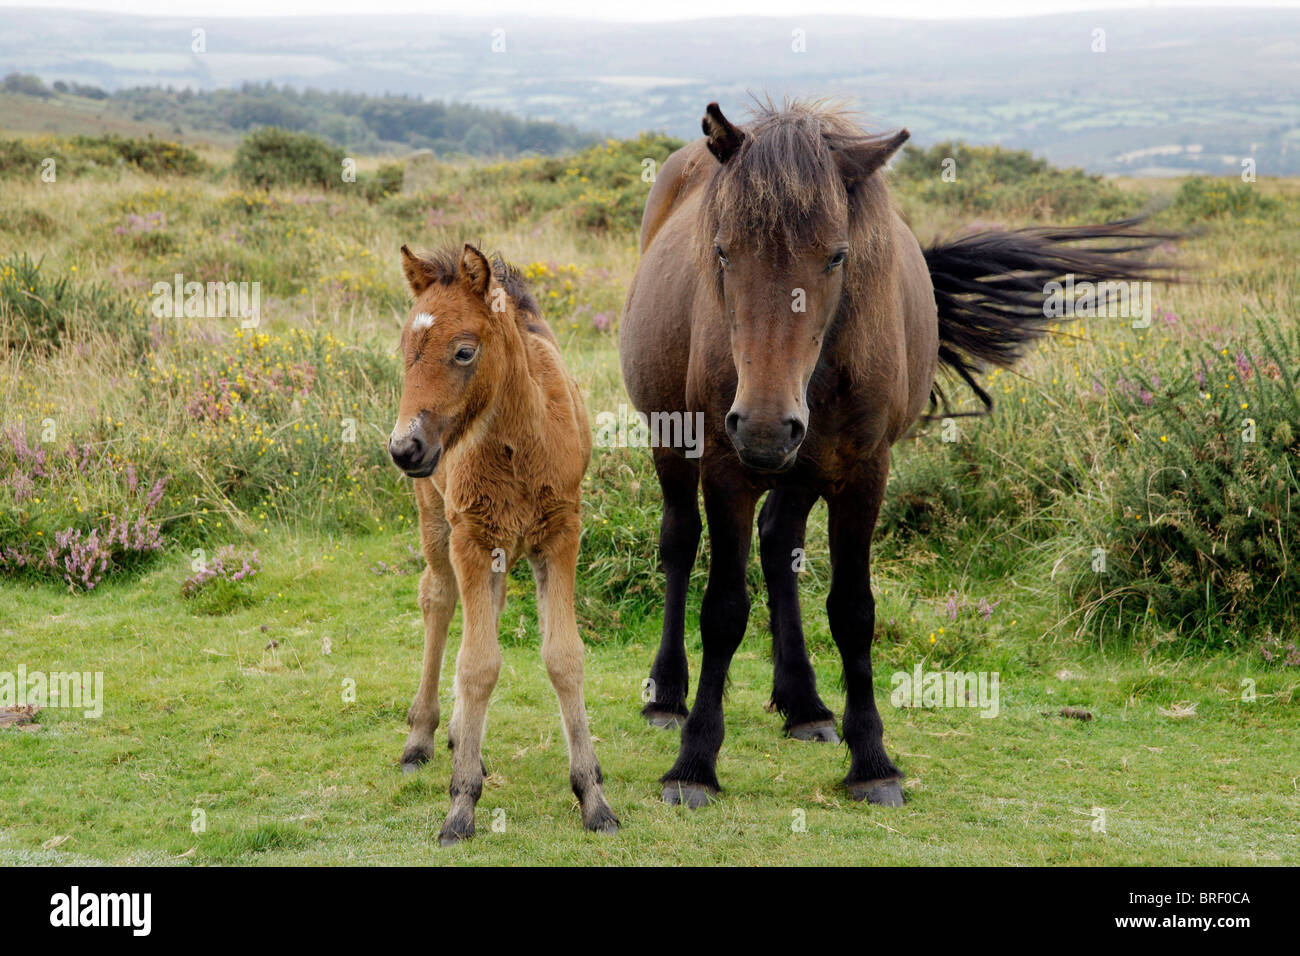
{"points": [[1202, 531], [386, 181], [603, 188], [275, 157], [78, 155], [990, 180], [1201, 198], [153, 156]]}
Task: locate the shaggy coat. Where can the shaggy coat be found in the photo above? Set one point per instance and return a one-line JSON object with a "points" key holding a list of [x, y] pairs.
{"points": [[494, 431], [780, 294]]}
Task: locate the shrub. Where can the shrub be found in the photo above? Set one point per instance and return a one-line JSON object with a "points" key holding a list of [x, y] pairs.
{"points": [[603, 188], [275, 157], [1201, 198], [1202, 533], [156, 157], [990, 180], [18, 157], [38, 310], [41, 534], [26, 83], [387, 181], [78, 155]]}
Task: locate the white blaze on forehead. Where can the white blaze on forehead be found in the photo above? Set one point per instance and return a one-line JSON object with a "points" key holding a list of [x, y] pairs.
{"points": [[422, 321]]}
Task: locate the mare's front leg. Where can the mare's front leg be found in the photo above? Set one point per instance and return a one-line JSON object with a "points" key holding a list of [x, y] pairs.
{"points": [[477, 666], [729, 504], [781, 526], [851, 609], [437, 596], [562, 650], [679, 539]]}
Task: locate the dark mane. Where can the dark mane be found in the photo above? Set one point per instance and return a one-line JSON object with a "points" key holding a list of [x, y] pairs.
{"points": [[443, 266], [783, 186], [512, 280]]}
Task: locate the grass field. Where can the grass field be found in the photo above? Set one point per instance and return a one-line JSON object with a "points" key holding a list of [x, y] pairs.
{"points": [[201, 716], [272, 707]]}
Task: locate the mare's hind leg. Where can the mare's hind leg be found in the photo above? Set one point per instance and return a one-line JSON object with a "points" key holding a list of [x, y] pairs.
{"points": [[438, 604], [477, 666], [852, 612], [679, 539], [562, 653], [781, 525]]}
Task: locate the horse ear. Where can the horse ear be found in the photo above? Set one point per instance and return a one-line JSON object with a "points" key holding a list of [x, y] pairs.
{"points": [[475, 270], [420, 273], [723, 138], [859, 161]]}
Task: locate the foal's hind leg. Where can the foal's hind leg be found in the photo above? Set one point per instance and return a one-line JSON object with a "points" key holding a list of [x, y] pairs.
{"points": [[562, 654], [679, 539], [477, 667], [438, 604], [781, 525], [852, 611]]}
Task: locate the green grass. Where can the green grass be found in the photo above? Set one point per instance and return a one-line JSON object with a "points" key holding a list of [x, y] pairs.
{"points": [[200, 715]]}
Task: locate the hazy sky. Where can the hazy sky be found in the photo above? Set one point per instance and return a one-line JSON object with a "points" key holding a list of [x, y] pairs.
{"points": [[627, 9]]}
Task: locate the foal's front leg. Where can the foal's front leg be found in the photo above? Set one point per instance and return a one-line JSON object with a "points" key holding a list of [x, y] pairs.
{"points": [[477, 667], [562, 653], [437, 596]]}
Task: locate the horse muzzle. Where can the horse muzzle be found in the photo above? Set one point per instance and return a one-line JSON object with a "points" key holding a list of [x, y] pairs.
{"points": [[765, 446], [417, 457]]}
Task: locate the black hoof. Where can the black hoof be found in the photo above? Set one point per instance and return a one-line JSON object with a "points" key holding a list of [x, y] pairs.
{"points": [[413, 758], [692, 795], [603, 821], [885, 793], [664, 720], [822, 731], [454, 831]]}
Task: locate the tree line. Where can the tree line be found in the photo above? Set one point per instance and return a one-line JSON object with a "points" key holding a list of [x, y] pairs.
{"points": [[353, 121]]}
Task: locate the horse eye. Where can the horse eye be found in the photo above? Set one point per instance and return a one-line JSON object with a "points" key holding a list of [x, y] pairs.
{"points": [[837, 260], [465, 354], [722, 256]]}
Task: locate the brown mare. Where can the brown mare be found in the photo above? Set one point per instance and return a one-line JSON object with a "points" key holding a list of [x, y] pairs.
{"points": [[780, 294], [494, 431]]}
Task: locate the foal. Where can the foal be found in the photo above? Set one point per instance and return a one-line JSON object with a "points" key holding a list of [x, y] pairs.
{"points": [[494, 432]]}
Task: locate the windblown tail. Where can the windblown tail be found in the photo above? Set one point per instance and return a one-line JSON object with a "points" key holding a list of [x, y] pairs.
{"points": [[991, 287]]}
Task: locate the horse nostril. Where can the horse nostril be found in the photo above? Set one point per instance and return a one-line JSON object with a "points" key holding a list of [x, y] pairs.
{"points": [[733, 424], [408, 451], [797, 431]]}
